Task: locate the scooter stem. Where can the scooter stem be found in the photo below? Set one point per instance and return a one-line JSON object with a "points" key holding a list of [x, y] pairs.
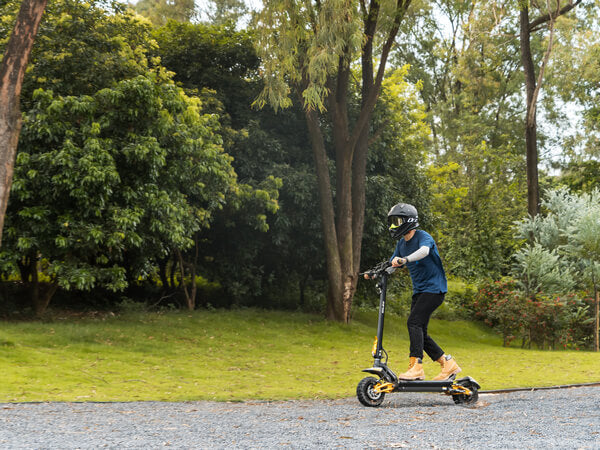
{"points": [[382, 285]]}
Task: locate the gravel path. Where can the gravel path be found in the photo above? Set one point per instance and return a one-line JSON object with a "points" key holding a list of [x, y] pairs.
{"points": [[562, 418]]}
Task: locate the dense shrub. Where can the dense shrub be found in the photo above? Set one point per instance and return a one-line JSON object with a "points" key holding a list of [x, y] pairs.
{"points": [[458, 301], [548, 321]]}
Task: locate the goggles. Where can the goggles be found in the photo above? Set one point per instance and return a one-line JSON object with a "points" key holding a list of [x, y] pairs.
{"points": [[396, 221]]}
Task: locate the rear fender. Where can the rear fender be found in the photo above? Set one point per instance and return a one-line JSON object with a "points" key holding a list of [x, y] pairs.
{"points": [[468, 382]]}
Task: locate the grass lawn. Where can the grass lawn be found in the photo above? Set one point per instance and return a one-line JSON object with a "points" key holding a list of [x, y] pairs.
{"points": [[246, 354]]}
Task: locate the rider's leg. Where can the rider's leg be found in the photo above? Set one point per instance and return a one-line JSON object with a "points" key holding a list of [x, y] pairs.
{"points": [[423, 305]]}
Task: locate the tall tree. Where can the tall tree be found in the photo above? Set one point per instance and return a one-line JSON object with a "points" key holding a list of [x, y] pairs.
{"points": [[533, 83], [309, 48], [12, 72]]}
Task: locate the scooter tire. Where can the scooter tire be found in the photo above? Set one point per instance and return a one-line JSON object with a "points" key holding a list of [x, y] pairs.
{"points": [[366, 395], [463, 399]]}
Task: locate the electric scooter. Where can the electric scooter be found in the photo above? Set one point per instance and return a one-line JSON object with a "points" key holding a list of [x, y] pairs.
{"points": [[371, 391]]}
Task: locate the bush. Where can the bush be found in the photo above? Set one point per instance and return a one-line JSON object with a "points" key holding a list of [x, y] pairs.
{"points": [[544, 320], [458, 303]]}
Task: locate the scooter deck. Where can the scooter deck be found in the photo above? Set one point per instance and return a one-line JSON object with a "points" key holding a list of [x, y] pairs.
{"points": [[423, 385], [447, 386]]}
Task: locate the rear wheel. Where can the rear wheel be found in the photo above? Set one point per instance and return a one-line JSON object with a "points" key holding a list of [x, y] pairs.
{"points": [[365, 393], [467, 399]]}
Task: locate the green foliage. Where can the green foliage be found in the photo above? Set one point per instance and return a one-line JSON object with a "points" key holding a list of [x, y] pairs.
{"points": [[83, 47], [279, 268], [564, 247], [560, 257], [223, 12], [135, 168], [581, 176], [573, 74], [540, 269], [213, 57], [160, 12], [219, 62], [117, 167], [458, 301], [545, 320], [306, 40], [104, 188]]}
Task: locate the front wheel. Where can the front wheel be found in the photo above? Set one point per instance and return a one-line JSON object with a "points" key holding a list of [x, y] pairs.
{"points": [[365, 393]]}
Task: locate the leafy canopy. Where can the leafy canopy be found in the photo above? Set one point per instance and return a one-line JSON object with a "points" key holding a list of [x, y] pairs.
{"points": [[301, 43], [133, 167]]}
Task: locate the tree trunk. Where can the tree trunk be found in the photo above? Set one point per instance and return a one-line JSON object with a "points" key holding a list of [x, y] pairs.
{"points": [[532, 89], [44, 297], [302, 288], [190, 295], [334, 270], [40, 294], [533, 195], [173, 271], [12, 72], [162, 273]]}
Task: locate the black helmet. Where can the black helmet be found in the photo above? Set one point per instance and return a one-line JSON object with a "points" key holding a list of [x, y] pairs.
{"points": [[401, 219]]}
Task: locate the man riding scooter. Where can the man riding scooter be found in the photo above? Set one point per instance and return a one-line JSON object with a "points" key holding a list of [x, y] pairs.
{"points": [[416, 250]]}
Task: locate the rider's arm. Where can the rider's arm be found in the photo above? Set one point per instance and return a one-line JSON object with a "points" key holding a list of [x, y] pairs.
{"points": [[419, 254], [415, 256]]}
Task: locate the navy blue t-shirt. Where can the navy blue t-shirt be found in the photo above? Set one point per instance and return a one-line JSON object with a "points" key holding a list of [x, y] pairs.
{"points": [[428, 273]]}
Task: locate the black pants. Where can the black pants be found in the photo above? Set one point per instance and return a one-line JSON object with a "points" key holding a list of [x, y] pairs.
{"points": [[421, 309]]}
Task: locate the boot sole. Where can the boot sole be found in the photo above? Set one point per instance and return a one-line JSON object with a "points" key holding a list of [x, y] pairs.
{"points": [[412, 379]]}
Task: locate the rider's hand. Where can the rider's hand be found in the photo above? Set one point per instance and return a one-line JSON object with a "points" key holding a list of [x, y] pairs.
{"points": [[398, 261], [366, 276]]}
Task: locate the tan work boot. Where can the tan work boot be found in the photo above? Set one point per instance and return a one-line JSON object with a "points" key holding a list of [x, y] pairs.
{"points": [[449, 368], [415, 370]]}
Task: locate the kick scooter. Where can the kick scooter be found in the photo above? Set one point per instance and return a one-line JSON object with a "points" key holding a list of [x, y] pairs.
{"points": [[371, 391]]}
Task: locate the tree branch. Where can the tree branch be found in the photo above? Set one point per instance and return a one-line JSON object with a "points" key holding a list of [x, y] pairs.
{"points": [[363, 9], [538, 85], [547, 17], [369, 103]]}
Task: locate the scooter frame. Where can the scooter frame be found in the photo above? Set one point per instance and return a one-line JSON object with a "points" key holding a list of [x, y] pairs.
{"points": [[371, 391]]}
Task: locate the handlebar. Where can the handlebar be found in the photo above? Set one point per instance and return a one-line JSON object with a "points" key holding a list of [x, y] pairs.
{"points": [[379, 269]]}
